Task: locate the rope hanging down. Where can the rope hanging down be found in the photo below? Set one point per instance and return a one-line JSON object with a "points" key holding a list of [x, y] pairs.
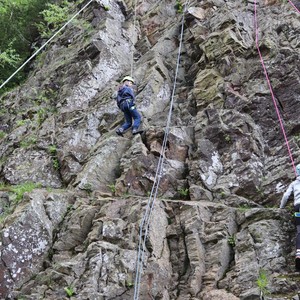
{"points": [[294, 6], [132, 46], [270, 86], [43, 46], [144, 226]]}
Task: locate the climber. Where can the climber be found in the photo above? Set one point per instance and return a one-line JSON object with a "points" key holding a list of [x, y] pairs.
{"points": [[294, 188], [125, 101]]}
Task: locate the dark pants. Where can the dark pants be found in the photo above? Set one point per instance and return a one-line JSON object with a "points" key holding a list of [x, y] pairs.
{"points": [[130, 112], [297, 209]]}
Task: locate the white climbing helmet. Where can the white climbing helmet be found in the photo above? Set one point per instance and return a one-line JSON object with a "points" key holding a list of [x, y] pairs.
{"points": [[298, 170], [128, 78]]}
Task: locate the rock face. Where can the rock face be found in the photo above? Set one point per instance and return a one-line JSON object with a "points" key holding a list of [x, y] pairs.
{"points": [[216, 231]]}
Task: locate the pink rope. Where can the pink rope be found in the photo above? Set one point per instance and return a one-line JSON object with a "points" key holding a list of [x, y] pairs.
{"points": [[270, 87], [294, 6]]}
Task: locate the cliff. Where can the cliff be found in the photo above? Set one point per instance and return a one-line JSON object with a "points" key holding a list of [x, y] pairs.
{"points": [[216, 231]]}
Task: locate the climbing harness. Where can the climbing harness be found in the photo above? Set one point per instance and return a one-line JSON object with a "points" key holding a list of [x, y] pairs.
{"points": [[270, 86], [144, 225], [44, 45]]}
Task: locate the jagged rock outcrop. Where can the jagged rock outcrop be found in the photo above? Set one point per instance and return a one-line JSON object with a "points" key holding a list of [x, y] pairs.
{"points": [[215, 225]]}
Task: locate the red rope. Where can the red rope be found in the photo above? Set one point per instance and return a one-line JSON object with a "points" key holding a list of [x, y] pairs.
{"points": [[294, 6], [270, 87]]}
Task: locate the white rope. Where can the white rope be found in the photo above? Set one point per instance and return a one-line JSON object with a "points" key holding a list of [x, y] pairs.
{"points": [[154, 191], [132, 45], [44, 45]]}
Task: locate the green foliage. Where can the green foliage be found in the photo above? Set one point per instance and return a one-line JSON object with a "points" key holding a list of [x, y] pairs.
{"points": [[297, 138], [227, 138], [56, 164], [22, 122], [112, 188], [179, 7], [17, 33], [21, 23], [20, 189], [28, 142], [9, 58], [222, 194], [53, 152], [41, 115], [88, 188], [184, 193], [244, 207], [69, 291], [54, 16], [2, 134], [260, 191], [262, 282], [2, 186], [129, 284], [231, 240], [5, 212]]}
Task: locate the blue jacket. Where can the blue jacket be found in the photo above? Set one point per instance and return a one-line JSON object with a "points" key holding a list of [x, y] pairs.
{"points": [[294, 187], [125, 93]]}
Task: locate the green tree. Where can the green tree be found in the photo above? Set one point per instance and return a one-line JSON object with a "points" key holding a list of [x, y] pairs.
{"points": [[53, 18], [21, 23], [18, 20]]}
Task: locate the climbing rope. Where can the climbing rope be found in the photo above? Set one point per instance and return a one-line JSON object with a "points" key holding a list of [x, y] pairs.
{"points": [[44, 45], [132, 45], [270, 86], [144, 225], [294, 6]]}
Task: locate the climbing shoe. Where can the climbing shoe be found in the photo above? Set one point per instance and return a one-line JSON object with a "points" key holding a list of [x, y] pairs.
{"points": [[297, 264], [120, 131], [136, 131]]}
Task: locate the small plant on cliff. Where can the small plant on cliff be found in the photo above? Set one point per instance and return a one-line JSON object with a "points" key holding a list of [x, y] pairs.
{"points": [[53, 152], [184, 193], [129, 284], [21, 189], [112, 188], [41, 115], [31, 140], [222, 194], [227, 138], [69, 291], [22, 122], [179, 7], [231, 240], [2, 134], [88, 188], [262, 282], [297, 138], [244, 207]]}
